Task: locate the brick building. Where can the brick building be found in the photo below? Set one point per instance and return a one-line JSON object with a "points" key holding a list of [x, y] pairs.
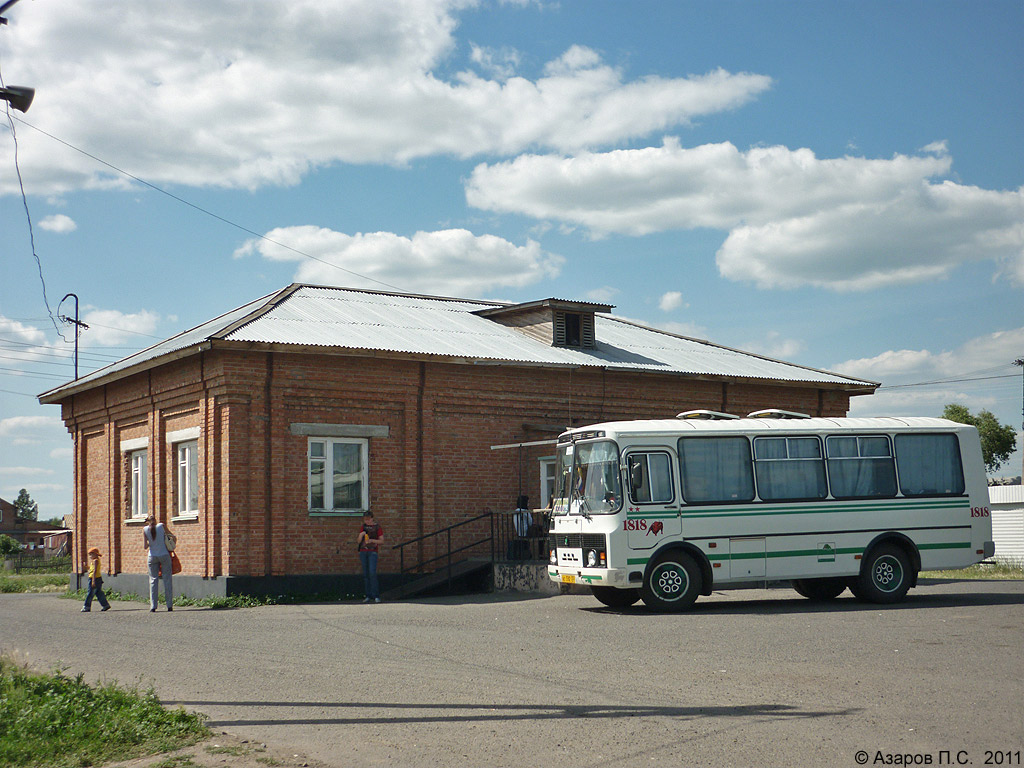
{"points": [[261, 435]]}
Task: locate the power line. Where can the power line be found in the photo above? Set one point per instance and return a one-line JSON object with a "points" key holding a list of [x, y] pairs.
{"points": [[199, 208], [946, 381], [28, 215]]}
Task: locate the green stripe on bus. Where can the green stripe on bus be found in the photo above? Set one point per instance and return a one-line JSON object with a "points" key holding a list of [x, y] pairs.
{"points": [[726, 556], [821, 509]]}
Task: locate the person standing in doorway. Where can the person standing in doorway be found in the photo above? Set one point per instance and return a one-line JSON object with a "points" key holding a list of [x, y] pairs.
{"points": [[156, 538], [370, 538]]}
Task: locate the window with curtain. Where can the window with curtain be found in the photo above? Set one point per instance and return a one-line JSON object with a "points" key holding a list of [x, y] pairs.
{"points": [[789, 468], [929, 465], [338, 475], [186, 487], [716, 470], [860, 467]]}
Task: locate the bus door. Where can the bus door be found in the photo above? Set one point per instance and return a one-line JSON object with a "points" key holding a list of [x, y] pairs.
{"points": [[652, 501]]}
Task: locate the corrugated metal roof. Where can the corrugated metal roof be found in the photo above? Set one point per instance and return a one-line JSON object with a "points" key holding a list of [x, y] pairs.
{"points": [[421, 325], [1006, 494]]}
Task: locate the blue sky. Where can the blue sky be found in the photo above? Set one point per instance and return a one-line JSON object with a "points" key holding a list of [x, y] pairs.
{"points": [[834, 184]]}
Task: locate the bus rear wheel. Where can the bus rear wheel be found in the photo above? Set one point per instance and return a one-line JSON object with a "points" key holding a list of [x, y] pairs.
{"points": [[672, 583], [616, 598], [884, 577], [819, 589]]}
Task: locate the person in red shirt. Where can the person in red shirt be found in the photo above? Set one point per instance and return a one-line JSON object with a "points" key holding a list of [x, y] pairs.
{"points": [[370, 537]]}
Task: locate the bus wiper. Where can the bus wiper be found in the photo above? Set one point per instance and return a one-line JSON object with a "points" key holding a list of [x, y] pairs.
{"points": [[584, 507]]}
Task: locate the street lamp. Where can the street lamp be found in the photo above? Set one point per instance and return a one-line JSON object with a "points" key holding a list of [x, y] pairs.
{"points": [[19, 96]]}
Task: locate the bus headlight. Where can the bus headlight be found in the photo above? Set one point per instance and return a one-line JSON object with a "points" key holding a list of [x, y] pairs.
{"points": [[592, 558], [553, 557]]}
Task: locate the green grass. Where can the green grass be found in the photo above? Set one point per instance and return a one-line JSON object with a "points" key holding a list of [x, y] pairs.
{"points": [[221, 603], [1000, 570], [33, 582], [58, 721]]}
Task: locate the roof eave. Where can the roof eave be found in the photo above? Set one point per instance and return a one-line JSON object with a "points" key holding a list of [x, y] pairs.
{"points": [[55, 396]]}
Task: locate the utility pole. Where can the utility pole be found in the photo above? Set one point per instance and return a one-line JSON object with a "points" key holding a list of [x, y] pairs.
{"points": [[79, 325], [1020, 361]]}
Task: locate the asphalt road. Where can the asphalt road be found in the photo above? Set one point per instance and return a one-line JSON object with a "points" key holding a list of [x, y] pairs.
{"points": [[758, 677]]}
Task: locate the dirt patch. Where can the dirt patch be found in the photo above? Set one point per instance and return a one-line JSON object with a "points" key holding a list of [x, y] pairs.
{"points": [[224, 751]]}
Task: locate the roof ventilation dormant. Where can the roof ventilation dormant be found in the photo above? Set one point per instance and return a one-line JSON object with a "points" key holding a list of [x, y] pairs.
{"points": [[706, 415], [775, 413]]}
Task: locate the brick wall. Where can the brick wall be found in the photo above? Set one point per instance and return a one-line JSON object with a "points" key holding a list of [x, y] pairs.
{"points": [[434, 468]]}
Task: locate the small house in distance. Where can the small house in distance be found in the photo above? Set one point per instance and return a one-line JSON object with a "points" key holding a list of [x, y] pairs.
{"points": [[263, 434]]}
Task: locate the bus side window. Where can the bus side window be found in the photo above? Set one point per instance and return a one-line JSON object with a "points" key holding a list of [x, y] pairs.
{"points": [[716, 470], [860, 467], [929, 465], [650, 478], [789, 468]]}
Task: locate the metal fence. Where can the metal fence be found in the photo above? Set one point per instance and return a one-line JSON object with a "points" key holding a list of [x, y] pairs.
{"points": [[35, 564]]}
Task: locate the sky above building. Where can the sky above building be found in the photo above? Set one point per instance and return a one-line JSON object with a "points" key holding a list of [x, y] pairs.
{"points": [[836, 184]]}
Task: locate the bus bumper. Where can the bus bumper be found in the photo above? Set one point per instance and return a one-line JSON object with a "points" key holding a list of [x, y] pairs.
{"points": [[596, 577]]}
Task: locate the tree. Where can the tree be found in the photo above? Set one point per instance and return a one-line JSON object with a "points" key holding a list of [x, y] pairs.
{"points": [[998, 441], [27, 508], [8, 547]]}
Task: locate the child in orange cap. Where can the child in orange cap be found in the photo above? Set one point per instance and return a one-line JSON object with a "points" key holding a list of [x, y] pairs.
{"points": [[95, 583]]}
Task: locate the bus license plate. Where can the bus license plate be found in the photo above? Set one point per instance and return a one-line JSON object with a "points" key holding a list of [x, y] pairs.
{"points": [[568, 578]]}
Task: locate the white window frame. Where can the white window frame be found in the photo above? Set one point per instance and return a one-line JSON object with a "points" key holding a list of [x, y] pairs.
{"points": [[325, 461], [139, 509], [186, 456], [548, 478]]}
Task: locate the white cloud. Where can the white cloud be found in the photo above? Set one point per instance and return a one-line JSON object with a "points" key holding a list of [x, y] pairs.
{"points": [[498, 63], [986, 352], [603, 295], [111, 327], [921, 382], [28, 430], [793, 219], [355, 82], [452, 262], [775, 346], [58, 223], [25, 471], [670, 300]]}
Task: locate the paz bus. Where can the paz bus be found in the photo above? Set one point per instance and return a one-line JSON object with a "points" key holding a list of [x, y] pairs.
{"points": [[667, 510]]}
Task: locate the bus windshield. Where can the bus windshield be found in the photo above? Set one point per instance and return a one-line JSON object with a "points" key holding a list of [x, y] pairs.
{"points": [[588, 479]]}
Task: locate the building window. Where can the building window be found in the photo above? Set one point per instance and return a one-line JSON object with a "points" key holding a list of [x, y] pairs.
{"points": [[547, 480], [186, 486], [574, 329], [338, 478], [139, 505]]}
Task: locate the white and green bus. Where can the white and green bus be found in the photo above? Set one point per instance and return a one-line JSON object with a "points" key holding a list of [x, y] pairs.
{"points": [[666, 510]]}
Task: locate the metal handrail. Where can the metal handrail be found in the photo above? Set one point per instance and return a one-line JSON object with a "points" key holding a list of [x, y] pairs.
{"points": [[447, 532]]}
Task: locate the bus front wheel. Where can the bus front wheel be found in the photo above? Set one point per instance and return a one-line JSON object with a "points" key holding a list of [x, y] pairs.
{"points": [[672, 583], [616, 598], [885, 576]]}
